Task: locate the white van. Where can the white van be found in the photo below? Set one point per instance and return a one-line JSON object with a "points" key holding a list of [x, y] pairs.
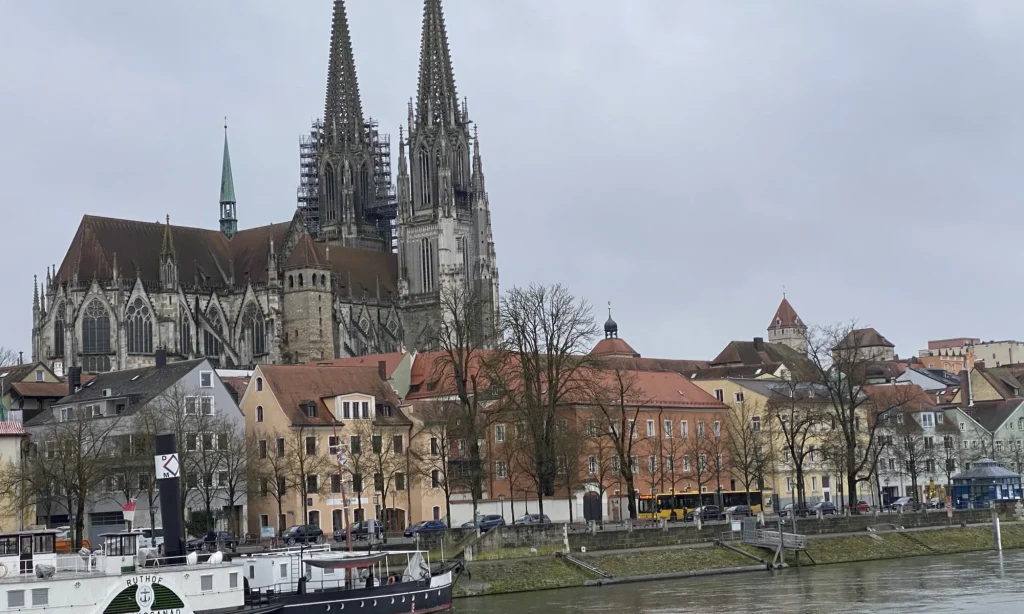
{"points": [[152, 538]]}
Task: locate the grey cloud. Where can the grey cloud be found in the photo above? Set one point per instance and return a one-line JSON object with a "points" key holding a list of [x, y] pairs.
{"points": [[683, 159]]}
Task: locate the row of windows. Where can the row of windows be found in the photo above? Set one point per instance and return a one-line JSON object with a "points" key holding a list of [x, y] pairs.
{"points": [[311, 445], [312, 280], [312, 484]]}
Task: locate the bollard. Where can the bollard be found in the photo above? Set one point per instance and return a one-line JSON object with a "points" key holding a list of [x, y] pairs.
{"points": [[565, 538], [997, 538]]}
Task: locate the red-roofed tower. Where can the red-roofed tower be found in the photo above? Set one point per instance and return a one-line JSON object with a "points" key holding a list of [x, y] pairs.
{"points": [[787, 328]]}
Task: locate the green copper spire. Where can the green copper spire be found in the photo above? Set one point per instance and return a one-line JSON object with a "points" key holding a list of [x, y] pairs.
{"points": [[228, 222]]}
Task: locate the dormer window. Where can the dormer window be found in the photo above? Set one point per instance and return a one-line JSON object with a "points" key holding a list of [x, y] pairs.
{"points": [[309, 408], [384, 410]]}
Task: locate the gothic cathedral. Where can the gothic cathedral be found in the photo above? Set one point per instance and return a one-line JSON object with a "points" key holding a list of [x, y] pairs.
{"points": [[326, 283]]}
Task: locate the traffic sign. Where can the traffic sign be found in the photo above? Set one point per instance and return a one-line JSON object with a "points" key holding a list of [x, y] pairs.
{"points": [[166, 466]]}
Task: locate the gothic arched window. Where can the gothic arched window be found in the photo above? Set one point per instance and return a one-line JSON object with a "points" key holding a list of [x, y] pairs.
{"points": [[364, 191], [427, 264], [211, 340], [138, 326], [300, 280], [331, 192], [291, 281], [58, 332], [96, 329], [460, 166], [184, 334], [254, 330], [425, 179], [323, 280]]}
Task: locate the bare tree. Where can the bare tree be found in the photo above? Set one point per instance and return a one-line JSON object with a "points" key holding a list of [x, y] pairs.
{"points": [[697, 457], [547, 334], [511, 452], [718, 448], [308, 466], [750, 453], [8, 357], [571, 444], [384, 459], [840, 360], [239, 453], [670, 453], [796, 409], [432, 460], [602, 457], [272, 468], [618, 398], [463, 370], [908, 443]]}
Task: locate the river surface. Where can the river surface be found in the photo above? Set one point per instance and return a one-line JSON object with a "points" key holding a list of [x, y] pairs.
{"points": [[974, 582]]}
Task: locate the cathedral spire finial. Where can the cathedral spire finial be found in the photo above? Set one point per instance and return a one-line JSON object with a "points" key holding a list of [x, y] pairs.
{"points": [[167, 248], [437, 101], [35, 292], [228, 221], [343, 110]]}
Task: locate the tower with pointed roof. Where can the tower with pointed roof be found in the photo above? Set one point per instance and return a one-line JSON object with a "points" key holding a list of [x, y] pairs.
{"points": [[343, 149], [444, 227], [787, 328], [228, 219]]}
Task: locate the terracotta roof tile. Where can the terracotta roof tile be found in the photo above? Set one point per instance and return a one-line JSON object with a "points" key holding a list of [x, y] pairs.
{"points": [[294, 385], [864, 337], [391, 361], [614, 347], [785, 316]]}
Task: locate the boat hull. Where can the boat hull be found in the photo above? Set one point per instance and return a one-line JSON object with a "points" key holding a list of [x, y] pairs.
{"points": [[405, 598]]}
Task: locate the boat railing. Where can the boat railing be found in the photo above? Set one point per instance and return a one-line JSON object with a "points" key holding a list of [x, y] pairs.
{"points": [[295, 550], [76, 563]]}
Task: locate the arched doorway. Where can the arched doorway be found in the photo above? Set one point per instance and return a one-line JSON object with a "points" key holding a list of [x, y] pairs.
{"points": [[394, 519], [592, 507]]}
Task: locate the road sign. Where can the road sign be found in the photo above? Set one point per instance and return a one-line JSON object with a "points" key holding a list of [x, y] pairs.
{"points": [[166, 466]]}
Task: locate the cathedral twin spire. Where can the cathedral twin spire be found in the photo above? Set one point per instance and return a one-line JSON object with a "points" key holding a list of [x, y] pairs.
{"points": [[343, 110], [436, 101]]}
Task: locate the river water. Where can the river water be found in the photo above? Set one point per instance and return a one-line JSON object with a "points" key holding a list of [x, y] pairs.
{"points": [[975, 582]]}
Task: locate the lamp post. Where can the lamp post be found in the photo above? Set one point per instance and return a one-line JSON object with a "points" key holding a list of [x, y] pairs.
{"points": [[885, 493]]}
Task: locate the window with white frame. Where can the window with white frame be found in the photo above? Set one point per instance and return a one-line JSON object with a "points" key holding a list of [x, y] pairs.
{"points": [[634, 464], [686, 463], [650, 428], [632, 429], [206, 379], [501, 469], [668, 429], [652, 463], [684, 429], [928, 420], [195, 406], [592, 465], [591, 428], [789, 484], [719, 394], [670, 464], [738, 396], [499, 433], [717, 428], [755, 424], [700, 429]]}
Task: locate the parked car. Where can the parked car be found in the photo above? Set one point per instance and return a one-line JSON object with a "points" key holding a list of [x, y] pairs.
{"points": [[738, 511], [226, 540], [486, 522], [152, 538], [707, 512], [426, 526], [789, 510], [863, 507], [533, 519], [303, 534], [904, 504], [827, 508], [935, 503], [361, 530]]}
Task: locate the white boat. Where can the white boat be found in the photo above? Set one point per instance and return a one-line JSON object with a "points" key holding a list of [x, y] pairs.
{"points": [[122, 578]]}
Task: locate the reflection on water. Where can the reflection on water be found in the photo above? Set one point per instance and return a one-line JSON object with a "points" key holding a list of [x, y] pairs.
{"points": [[978, 582]]}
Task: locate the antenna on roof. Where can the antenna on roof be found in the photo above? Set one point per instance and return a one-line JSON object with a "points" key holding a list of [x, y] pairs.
{"points": [[783, 290]]}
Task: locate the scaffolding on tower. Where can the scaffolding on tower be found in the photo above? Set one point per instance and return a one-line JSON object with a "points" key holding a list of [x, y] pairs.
{"points": [[308, 192], [383, 213]]}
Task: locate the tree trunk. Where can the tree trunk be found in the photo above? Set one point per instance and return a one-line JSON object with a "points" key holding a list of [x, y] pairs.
{"points": [[570, 508], [448, 508], [851, 485]]}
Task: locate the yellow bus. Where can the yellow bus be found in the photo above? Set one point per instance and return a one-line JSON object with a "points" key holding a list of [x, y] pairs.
{"points": [[675, 506]]}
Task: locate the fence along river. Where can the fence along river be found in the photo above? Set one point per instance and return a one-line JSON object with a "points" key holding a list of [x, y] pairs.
{"points": [[977, 582]]}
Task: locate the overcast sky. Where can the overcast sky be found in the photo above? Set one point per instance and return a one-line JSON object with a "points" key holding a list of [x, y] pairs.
{"points": [[684, 160]]}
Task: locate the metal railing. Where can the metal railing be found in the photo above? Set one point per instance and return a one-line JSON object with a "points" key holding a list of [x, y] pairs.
{"points": [[770, 539]]}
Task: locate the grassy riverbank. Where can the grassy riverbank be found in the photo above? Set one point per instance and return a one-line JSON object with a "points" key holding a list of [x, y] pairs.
{"points": [[502, 574]]}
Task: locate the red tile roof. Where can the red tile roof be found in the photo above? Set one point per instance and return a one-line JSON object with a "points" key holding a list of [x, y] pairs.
{"points": [[238, 384], [391, 360], [293, 385], [305, 255], [662, 389], [785, 316], [614, 347], [8, 427]]}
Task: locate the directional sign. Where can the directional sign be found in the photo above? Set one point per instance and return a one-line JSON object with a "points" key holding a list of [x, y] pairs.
{"points": [[166, 466]]}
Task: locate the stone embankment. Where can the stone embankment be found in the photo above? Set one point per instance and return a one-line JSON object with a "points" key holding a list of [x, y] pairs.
{"points": [[522, 558]]}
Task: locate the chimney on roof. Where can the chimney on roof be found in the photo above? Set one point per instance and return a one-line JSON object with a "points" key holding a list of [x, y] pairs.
{"points": [[161, 357], [21, 358], [74, 379], [966, 393], [382, 369], [759, 344]]}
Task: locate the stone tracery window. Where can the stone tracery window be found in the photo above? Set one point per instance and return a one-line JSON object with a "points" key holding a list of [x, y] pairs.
{"points": [[254, 330], [138, 326], [58, 332], [211, 340], [425, 179], [184, 333], [96, 329], [331, 192]]}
